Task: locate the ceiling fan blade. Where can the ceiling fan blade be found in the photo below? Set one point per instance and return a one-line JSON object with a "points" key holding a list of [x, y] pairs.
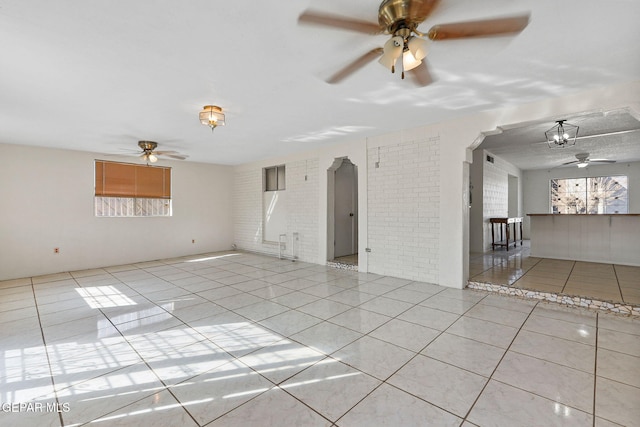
{"points": [[176, 156], [335, 21], [421, 75], [601, 161], [172, 154], [570, 163], [355, 65], [486, 27]]}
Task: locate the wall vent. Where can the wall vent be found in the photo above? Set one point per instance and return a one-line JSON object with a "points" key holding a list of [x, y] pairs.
{"points": [[489, 159]]}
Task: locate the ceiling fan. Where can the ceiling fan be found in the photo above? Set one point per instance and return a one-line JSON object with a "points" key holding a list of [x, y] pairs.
{"points": [[400, 19], [583, 160], [149, 154]]}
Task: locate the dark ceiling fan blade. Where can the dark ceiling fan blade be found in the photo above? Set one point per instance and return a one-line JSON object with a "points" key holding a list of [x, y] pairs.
{"points": [[601, 161], [355, 65], [570, 163], [335, 21], [421, 75], [487, 27]]}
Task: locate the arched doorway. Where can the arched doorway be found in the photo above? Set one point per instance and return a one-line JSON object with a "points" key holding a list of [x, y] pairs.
{"points": [[342, 215]]}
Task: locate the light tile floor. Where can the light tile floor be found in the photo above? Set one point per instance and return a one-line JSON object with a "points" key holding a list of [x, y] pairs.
{"points": [[233, 339], [516, 268]]}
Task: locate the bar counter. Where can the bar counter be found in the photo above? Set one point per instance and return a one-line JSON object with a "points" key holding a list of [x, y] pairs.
{"points": [[607, 238]]}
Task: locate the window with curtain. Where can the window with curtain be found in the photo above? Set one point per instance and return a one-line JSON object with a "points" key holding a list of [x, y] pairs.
{"points": [[127, 189], [594, 195]]}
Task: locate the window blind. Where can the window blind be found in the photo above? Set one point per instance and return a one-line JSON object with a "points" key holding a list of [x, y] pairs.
{"points": [[114, 179]]}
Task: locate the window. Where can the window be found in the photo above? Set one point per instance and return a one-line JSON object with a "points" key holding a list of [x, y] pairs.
{"points": [[125, 189], [595, 195], [274, 178], [274, 205]]}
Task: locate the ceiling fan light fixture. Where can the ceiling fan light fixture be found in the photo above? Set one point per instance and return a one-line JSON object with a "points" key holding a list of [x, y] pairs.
{"points": [[212, 116], [583, 164], [562, 135], [419, 47], [152, 158], [409, 62], [392, 50]]}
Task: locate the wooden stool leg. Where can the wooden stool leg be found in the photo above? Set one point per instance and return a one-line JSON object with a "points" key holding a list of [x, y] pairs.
{"points": [[507, 232], [493, 239]]}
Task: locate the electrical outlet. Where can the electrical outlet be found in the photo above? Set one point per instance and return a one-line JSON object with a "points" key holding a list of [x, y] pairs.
{"points": [[193, 240], [56, 250]]}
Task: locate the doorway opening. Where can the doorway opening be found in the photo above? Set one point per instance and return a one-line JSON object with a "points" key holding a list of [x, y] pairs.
{"points": [[342, 215], [513, 209]]}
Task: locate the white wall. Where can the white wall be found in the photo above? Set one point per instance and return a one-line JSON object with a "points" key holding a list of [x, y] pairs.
{"points": [[300, 208], [491, 196], [495, 193], [404, 206], [443, 256], [232, 212], [536, 185], [476, 210], [47, 201]]}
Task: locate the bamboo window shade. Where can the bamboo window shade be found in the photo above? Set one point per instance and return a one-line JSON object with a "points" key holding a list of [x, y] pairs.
{"points": [[115, 179]]}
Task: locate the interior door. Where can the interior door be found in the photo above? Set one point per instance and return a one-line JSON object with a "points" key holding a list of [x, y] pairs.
{"points": [[345, 210]]}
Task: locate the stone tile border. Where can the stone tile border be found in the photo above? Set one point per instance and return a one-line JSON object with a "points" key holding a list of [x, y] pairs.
{"points": [[342, 266], [568, 300]]}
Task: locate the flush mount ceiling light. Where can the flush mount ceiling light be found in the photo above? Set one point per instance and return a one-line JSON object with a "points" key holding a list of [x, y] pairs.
{"points": [[212, 116], [562, 135]]}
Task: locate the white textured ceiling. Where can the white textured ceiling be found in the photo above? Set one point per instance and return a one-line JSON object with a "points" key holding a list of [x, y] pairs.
{"points": [[100, 75], [611, 135]]}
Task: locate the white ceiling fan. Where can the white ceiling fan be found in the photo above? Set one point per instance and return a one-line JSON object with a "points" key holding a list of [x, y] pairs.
{"points": [[583, 160]]}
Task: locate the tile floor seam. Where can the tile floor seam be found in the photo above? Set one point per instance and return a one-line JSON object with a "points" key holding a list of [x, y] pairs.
{"points": [[44, 344], [146, 363], [385, 381], [422, 399], [551, 361], [178, 285], [418, 353], [595, 371], [304, 403], [360, 401], [615, 272], [497, 365]]}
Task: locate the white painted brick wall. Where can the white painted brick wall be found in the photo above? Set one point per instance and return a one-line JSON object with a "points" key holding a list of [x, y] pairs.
{"points": [[302, 204], [247, 209], [404, 209], [303, 207], [495, 193]]}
